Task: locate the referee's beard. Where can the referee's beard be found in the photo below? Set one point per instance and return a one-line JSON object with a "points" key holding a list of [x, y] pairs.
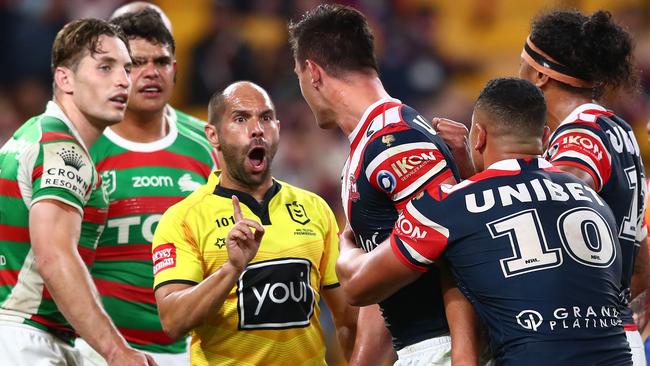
{"points": [[237, 163]]}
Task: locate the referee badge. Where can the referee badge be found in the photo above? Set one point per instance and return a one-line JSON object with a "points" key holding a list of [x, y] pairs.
{"points": [[297, 213]]}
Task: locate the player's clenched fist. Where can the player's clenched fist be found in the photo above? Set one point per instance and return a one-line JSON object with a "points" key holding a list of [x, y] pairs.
{"points": [[244, 238], [456, 136]]}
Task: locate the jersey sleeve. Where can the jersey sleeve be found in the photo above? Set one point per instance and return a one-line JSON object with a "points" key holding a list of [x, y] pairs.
{"points": [[401, 163], [331, 248], [417, 240], [175, 253], [581, 145], [62, 171]]}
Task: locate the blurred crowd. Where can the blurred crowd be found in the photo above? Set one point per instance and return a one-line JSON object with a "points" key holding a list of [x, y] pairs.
{"points": [[433, 55]]}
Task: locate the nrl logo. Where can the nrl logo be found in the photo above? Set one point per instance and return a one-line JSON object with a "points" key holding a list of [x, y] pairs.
{"points": [[297, 213], [108, 181], [388, 140]]}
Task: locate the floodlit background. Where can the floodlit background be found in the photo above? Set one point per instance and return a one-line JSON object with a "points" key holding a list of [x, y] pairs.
{"points": [[434, 55]]}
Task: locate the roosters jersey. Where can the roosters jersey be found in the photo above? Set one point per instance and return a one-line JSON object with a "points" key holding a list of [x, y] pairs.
{"points": [[142, 181], [536, 252], [394, 154], [44, 159], [603, 145], [271, 317]]}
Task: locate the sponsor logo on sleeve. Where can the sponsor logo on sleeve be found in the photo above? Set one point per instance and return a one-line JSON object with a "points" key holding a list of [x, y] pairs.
{"points": [[407, 164], [66, 165], [275, 294], [164, 257], [386, 180]]}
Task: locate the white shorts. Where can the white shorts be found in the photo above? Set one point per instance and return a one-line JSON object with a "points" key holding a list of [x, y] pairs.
{"points": [[92, 358], [24, 345], [637, 347], [432, 351]]}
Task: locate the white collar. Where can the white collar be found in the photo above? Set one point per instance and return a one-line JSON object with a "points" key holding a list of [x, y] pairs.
{"points": [[52, 109], [366, 113], [578, 113], [169, 117]]}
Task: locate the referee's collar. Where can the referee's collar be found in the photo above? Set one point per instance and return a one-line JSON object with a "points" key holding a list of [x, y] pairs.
{"points": [[260, 209]]}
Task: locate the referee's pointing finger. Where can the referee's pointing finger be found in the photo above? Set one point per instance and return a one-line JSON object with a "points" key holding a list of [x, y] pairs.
{"points": [[237, 210]]}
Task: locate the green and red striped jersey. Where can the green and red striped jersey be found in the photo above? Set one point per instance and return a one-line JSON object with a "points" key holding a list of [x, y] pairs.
{"points": [[44, 159], [142, 181]]}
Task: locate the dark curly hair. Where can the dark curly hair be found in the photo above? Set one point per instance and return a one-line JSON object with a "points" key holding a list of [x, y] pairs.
{"points": [[593, 47], [146, 24]]}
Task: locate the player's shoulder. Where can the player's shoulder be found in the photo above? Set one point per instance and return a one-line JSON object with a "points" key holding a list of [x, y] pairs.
{"points": [[186, 120]]}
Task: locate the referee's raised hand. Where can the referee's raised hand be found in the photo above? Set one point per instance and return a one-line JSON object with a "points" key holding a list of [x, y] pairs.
{"points": [[244, 238]]}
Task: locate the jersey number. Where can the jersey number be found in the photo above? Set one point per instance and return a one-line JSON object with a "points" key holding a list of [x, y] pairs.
{"points": [[586, 237], [630, 222]]}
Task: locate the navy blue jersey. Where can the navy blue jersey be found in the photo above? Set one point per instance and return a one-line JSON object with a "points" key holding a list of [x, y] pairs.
{"points": [[536, 252], [603, 145], [394, 154]]}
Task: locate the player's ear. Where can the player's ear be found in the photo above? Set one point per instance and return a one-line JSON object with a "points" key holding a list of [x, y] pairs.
{"points": [[64, 79], [175, 71], [541, 79], [315, 73], [481, 136], [213, 136]]}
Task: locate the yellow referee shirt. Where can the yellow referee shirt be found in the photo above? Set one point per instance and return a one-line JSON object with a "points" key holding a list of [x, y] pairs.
{"points": [[271, 316]]}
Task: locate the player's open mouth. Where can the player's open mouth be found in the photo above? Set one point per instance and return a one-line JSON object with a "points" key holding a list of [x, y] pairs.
{"points": [[257, 158], [151, 90], [120, 100]]}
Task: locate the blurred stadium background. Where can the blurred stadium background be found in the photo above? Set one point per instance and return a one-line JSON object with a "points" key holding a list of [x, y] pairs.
{"points": [[434, 55]]}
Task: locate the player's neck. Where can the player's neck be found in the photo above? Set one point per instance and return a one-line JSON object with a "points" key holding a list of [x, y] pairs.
{"points": [[142, 127], [88, 131], [560, 103], [353, 97], [511, 148]]}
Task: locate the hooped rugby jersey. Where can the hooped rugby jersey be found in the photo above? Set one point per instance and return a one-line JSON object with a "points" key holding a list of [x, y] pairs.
{"points": [[603, 145], [271, 317], [394, 154], [536, 252], [142, 181], [44, 159]]}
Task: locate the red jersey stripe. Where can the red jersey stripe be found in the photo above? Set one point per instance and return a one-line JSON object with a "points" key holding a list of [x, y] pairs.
{"points": [[14, 233], [125, 292], [95, 215], [50, 324], [54, 136], [8, 277], [9, 188], [87, 255], [140, 205], [145, 336], [37, 172], [123, 252], [161, 158]]}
